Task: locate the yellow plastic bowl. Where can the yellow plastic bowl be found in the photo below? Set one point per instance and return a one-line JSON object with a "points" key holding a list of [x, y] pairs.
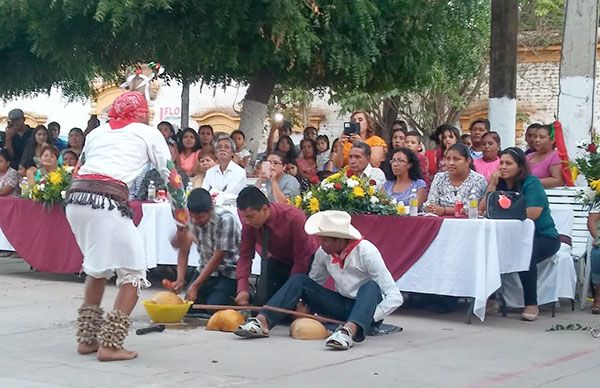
{"points": [[166, 313]]}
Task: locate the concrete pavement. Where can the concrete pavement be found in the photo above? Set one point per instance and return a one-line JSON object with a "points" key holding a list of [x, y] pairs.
{"points": [[37, 314]]}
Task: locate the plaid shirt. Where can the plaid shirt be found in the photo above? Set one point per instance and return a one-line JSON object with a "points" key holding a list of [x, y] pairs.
{"points": [[222, 233]]}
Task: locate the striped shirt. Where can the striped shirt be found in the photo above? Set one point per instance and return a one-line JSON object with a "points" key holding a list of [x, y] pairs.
{"points": [[221, 233]]}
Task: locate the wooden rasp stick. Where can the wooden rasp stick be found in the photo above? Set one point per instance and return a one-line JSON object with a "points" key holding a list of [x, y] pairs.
{"points": [[270, 308]]}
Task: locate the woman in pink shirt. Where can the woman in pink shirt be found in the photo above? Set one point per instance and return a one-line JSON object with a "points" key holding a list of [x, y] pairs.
{"points": [[544, 162], [489, 162], [188, 145]]}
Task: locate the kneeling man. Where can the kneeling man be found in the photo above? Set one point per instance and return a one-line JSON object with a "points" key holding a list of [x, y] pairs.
{"points": [[366, 291], [217, 234]]}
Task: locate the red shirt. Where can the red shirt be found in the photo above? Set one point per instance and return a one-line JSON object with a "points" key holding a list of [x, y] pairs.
{"points": [[288, 242]]}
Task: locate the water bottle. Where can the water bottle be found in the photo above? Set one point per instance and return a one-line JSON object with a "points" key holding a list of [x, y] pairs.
{"points": [[189, 189], [473, 205], [263, 188], [413, 203], [151, 191], [24, 186]]}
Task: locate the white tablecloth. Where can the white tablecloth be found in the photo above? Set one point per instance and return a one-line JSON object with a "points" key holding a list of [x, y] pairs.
{"points": [[157, 227], [468, 256], [4, 244]]}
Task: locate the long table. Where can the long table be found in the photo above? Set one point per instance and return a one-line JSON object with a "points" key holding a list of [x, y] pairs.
{"points": [[459, 257]]}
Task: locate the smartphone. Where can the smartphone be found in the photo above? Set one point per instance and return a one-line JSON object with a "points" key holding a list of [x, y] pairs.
{"points": [[351, 128], [265, 168]]}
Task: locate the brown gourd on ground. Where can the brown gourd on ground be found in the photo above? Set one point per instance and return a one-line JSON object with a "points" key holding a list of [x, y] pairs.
{"points": [[166, 297], [308, 329], [225, 320]]}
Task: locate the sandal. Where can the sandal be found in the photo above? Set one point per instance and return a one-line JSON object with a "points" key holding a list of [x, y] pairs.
{"points": [[251, 329], [341, 339]]}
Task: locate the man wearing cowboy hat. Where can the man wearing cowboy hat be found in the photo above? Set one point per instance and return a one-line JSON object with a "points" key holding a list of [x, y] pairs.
{"points": [[366, 291]]}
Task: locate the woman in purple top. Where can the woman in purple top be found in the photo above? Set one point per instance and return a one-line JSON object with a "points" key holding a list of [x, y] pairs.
{"points": [[405, 176], [489, 162], [544, 162]]}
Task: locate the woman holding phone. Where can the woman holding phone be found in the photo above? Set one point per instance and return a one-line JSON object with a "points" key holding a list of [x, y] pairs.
{"points": [[366, 134]]}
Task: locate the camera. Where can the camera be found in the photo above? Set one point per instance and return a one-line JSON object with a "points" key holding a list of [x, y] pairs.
{"points": [[351, 128]]}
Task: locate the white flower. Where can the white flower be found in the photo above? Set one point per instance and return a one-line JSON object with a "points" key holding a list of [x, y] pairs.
{"points": [[589, 193], [582, 143], [63, 194], [374, 200], [42, 187], [308, 196], [69, 169], [352, 183]]}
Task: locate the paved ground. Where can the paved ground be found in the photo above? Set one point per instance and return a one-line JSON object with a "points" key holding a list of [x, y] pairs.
{"points": [[37, 313]]}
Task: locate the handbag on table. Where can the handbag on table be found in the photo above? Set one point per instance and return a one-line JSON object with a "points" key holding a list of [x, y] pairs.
{"points": [[506, 205]]}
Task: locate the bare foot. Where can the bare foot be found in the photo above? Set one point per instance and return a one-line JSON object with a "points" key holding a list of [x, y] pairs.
{"points": [[109, 354], [83, 348]]}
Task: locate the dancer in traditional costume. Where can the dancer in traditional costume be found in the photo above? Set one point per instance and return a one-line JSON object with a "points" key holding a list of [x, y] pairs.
{"points": [[101, 219]]}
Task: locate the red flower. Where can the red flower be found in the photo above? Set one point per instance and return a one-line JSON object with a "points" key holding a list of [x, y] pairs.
{"points": [[592, 148], [182, 216], [372, 182], [337, 186], [349, 173], [314, 180], [175, 180]]}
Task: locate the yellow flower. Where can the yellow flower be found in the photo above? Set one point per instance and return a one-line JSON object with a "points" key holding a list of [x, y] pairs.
{"points": [[371, 190], [298, 201], [595, 185], [358, 192], [574, 172], [333, 177], [55, 177], [313, 205], [401, 209]]}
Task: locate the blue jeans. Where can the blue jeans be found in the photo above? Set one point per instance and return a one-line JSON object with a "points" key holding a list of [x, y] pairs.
{"points": [[595, 265], [327, 303]]}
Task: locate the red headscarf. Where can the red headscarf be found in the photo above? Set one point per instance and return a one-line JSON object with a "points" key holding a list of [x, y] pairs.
{"points": [[129, 107]]}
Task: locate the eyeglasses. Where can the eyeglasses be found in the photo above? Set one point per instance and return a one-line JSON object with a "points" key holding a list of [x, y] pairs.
{"points": [[398, 161], [274, 162]]}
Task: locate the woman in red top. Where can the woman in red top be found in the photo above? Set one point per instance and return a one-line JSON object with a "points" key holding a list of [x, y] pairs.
{"points": [[444, 137], [308, 162]]}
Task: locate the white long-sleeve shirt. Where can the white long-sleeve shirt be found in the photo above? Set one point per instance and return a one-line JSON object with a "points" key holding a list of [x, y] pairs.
{"points": [[364, 263]]}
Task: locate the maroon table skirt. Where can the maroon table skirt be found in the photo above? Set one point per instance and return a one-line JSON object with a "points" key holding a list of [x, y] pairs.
{"points": [[42, 237]]}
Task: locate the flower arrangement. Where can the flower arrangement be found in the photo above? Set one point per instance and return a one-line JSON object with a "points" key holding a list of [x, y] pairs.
{"points": [[345, 191], [51, 188], [587, 164]]}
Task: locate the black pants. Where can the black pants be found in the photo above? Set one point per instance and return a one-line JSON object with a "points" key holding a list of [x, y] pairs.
{"points": [[543, 248], [277, 274], [216, 290]]}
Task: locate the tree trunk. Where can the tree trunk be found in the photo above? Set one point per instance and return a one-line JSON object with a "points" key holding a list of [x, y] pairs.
{"points": [[185, 104], [503, 69], [390, 114], [254, 108], [577, 71]]}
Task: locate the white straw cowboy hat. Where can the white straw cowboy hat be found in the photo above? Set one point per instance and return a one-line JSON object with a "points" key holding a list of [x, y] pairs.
{"points": [[332, 223]]}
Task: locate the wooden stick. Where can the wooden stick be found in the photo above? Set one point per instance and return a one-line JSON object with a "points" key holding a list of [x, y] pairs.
{"points": [[270, 308]]}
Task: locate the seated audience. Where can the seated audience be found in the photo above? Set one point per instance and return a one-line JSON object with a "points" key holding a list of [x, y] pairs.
{"points": [[359, 157], [188, 146], [413, 142], [322, 151], [281, 187], [206, 160], [38, 140], [283, 128], [92, 124], [226, 176], [54, 132], [456, 183], [544, 162], [70, 158], [366, 135], [308, 161], [16, 136], [592, 224], [365, 291], [405, 176], [514, 176], [168, 132], [288, 249], [530, 137], [242, 155], [216, 233], [76, 139], [9, 177], [466, 140], [476, 131], [292, 169], [489, 161], [48, 162], [329, 164], [206, 135], [397, 136], [139, 188]]}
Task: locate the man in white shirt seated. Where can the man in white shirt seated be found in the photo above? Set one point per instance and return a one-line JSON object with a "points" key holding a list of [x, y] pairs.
{"points": [[358, 162], [366, 292], [226, 176]]}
